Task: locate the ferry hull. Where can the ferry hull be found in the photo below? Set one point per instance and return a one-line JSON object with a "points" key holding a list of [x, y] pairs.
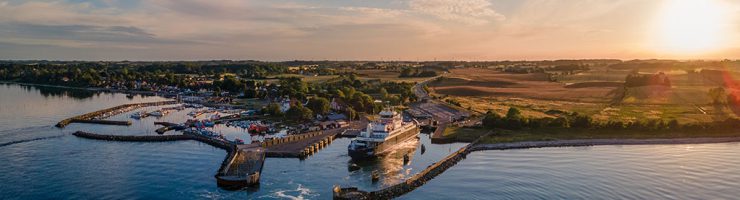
{"points": [[382, 148]]}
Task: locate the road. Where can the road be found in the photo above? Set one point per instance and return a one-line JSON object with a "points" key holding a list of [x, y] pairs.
{"points": [[436, 109]]}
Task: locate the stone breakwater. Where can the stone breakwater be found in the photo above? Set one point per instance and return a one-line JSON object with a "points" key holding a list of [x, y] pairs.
{"points": [[133, 138], [597, 142], [104, 113], [432, 171], [410, 184], [230, 148]]}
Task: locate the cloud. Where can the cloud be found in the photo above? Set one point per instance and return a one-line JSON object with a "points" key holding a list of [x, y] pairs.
{"points": [[471, 11], [292, 29], [82, 36]]}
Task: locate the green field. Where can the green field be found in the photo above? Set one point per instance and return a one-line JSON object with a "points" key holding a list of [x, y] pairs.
{"points": [[550, 134]]}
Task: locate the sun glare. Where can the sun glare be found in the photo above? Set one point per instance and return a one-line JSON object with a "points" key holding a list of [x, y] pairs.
{"points": [[690, 26]]}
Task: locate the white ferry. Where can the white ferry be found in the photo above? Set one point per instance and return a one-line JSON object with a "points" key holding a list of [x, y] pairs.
{"points": [[381, 135]]}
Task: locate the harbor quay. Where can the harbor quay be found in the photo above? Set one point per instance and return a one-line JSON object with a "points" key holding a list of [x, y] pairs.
{"points": [[243, 164]]}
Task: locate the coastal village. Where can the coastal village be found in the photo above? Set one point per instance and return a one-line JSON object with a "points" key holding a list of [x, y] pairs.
{"points": [[369, 100], [296, 111], [278, 124]]}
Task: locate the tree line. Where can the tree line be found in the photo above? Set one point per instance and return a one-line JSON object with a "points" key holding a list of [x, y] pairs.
{"points": [[514, 120]]}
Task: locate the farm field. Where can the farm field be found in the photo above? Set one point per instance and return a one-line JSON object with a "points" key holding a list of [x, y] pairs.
{"points": [[596, 93], [386, 75]]}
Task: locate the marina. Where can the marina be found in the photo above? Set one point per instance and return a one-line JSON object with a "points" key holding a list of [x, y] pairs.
{"points": [[244, 161], [243, 164]]}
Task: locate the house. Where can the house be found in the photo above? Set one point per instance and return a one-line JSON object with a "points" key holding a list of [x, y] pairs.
{"points": [[337, 104], [342, 123], [335, 117], [332, 124], [285, 105], [328, 125]]}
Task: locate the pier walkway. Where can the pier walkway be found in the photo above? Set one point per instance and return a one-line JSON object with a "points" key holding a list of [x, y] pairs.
{"points": [[300, 145]]}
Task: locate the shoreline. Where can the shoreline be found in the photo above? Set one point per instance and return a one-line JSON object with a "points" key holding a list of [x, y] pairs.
{"points": [[92, 89], [47, 85], [601, 142]]}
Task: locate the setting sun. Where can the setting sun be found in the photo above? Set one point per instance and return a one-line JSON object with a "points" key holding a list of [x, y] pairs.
{"points": [[690, 27]]}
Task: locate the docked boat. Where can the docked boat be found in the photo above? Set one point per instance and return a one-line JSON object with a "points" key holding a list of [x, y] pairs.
{"points": [[382, 135], [137, 115], [157, 113]]}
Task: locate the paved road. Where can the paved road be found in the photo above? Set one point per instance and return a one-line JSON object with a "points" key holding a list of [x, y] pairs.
{"points": [[438, 110]]}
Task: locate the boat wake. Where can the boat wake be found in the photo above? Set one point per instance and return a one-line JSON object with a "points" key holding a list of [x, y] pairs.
{"points": [[29, 140], [302, 193]]}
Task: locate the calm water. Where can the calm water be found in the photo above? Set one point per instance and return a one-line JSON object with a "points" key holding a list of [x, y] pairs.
{"points": [[704, 171], [39, 161]]}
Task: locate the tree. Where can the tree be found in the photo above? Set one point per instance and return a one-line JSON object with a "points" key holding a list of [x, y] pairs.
{"points": [[514, 113], [405, 72], [351, 114], [217, 91], [383, 94], [491, 119], [293, 87], [514, 118], [718, 95], [581, 121], [273, 109], [298, 112], [340, 94], [559, 122], [394, 100], [319, 105]]}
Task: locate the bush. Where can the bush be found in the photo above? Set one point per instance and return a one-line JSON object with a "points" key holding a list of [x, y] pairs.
{"points": [[581, 121], [491, 119], [673, 124], [560, 122]]}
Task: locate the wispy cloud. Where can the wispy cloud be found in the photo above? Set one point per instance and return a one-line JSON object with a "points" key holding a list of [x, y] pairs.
{"points": [[291, 29], [470, 11]]}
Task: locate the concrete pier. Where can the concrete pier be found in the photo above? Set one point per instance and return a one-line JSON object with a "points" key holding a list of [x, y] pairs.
{"points": [[301, 145], [243, 169], [438, 135]]}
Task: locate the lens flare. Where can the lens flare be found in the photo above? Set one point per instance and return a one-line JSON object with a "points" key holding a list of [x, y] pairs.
{"points": [[690, 27]]}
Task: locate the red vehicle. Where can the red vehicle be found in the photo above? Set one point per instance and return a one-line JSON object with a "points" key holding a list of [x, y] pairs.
{"points": [[256, 128]]}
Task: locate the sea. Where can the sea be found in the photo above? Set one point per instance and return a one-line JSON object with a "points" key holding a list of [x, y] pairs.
{"points": [[41, 161]]}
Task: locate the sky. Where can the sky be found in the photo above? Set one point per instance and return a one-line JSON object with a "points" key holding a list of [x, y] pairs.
{"points": [[278, 30]]}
